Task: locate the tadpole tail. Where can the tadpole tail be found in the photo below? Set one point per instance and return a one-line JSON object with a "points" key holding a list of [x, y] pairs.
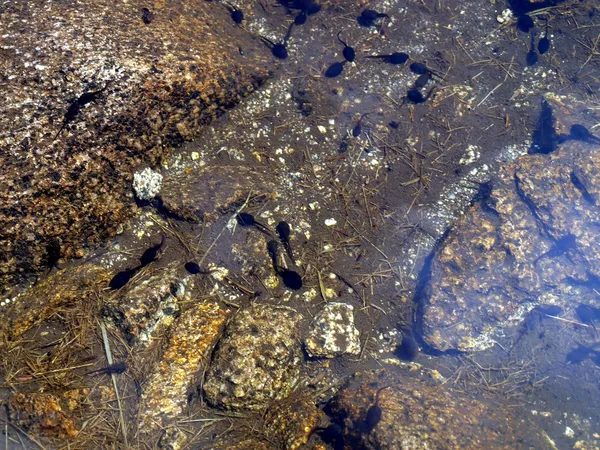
{"points": [[342, 42], [60, 130], [273, 248], [288, 35]]}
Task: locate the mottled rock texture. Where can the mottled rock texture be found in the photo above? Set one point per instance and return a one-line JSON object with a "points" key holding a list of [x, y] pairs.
{"points": [[417, 414], [63, 193], [165, 393], [291, 421], [257, 360], [333, 333], [43, 414], [149, 303], [534, 240]]}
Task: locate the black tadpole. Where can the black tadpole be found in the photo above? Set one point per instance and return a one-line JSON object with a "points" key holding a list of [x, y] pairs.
{"points": [[147, 16], [192, 267], [414, 96], [525, 23], [374, 413], [248, 220], [284, 231], [579, 132], [544, 43], [357, 130], [349, 53], [75, 107], [279, 50], [116, 368], [368, 17], [422, 80], [152, 253], [236, 14], [418, 68], [301, 18], [395, 58], [291, 279], [532, 56], [122, 278], [334, 70]]}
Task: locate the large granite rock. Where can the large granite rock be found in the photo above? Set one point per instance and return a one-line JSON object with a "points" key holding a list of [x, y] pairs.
{"points": [[257, 360], [534, 240], [418, 414], [158, 76]]}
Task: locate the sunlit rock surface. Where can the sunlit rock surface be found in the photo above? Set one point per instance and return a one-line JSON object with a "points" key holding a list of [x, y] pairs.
{"points": [[62, 193], [533, 241], [62, 288], [257, 360], [418, 414]]}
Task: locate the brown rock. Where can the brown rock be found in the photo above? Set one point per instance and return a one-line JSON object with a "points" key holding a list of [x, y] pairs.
{"points": [[190, 345], [62, 288], [419, 414], [42, 414], [207, 193], [291, 421], [257, 360], [61, 194]]}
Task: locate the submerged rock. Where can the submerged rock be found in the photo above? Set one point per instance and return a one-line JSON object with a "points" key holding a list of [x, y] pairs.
{"points": [[91, 94], [417, 414], [43, 414], [165, 393], [291, 421], [533, 241], [149, 304], [332, 332], [209, 192], [257, 360]]}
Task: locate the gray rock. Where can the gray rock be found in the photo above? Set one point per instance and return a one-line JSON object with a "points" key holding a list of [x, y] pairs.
{"points": [[332, 332], [147, 183], [257, 360]]}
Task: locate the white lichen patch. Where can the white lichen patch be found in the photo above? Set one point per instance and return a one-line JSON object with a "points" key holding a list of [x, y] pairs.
{"points": [[147, 184], [332, 332]]}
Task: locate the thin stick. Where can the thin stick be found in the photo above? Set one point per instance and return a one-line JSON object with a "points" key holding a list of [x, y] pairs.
{"points": [[114, 380], [574, 322], [239, 210]]}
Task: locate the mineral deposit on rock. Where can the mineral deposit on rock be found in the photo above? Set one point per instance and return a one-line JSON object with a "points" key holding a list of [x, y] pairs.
{"points": [[417, 414], [42, 414], [165, 393], [257, 360], [332, 332]]}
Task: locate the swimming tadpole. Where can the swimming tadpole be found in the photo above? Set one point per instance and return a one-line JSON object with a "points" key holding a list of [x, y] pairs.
{"points": [[334, 70]]}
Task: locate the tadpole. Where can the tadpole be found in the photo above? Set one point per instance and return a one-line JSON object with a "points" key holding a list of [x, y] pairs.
{"points": [[301, 18], [247, 220], [122, 278], [374, 413], [116, 368], [544, 43], [525, 23], [291, 279], [395, 58], [414, 96], [284, 231], [334, 70], [279, 49], [147, 16], [237, 14], [368, 17], [152, 254], [532, 56], [349, 53], [357, 130], [579, 132]]}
